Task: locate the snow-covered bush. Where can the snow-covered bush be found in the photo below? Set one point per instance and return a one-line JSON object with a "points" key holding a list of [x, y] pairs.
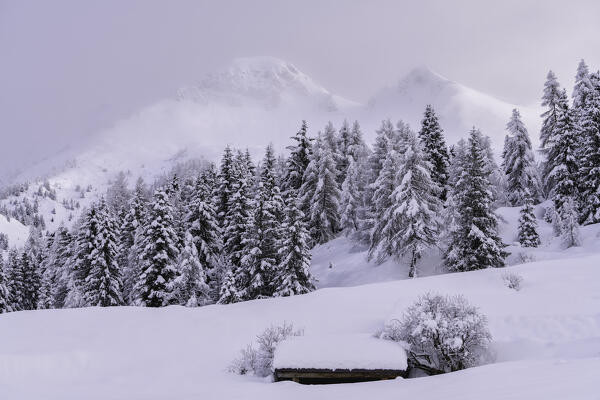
{"points": [[441, 333], [259, 360], [512, 280]]}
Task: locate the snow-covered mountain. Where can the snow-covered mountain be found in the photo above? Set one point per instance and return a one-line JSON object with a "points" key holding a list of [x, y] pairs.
{"points": [[250, 103], [258, 100], [459, 107]]}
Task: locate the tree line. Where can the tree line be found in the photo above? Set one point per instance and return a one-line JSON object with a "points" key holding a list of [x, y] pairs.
{"points": [[244, 230]]}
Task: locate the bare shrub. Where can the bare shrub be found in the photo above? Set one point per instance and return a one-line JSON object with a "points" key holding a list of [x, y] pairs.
{"points": [[512, 280], [258, 361]]}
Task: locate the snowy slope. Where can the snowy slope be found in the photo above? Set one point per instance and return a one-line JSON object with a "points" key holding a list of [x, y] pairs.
{"points": [[546, 340], [341, 262], [17, 232]]}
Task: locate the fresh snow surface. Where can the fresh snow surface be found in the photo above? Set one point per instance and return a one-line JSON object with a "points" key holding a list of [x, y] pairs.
{"points": [[17, 232], [341, 262], [546, 338], [339, 352]]}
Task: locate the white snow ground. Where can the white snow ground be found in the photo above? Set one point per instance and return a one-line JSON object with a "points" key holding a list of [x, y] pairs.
{"points": [[546, 340], [16, 232]]}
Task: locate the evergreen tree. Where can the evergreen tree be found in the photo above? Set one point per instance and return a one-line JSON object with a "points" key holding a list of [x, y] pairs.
{"points": [[118, 195], [205, 230], [225, 184], [324, 218], [31, 261], [299, 158], [528, 236], [229, 291], [31, 281], [294, 275], [383, 187], [475, 243], [410, 222], [561, 158], [103, 284], [518, 163], [4, 294], [16, 280], [434, 147], [343, 146], [85, 246], [133, 222], [551, 98], [158, 255], [589, 168], [555, 101], [190, 287], [260, 243], [351, 204], [62, 253], [237, 220], [570, 235]]}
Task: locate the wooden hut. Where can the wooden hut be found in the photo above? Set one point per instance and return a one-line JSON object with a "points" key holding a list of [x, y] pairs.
{"points": [[338, 359]]}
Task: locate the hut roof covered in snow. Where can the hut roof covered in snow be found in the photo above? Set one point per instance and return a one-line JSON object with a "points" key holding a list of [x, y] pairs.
{"points": [[354, 352]]}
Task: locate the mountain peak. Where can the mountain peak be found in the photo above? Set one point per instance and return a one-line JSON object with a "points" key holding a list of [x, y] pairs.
{"points": [[265, 79], [423, 75]]}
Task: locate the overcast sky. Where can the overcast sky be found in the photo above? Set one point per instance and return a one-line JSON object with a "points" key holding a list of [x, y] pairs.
{"points": [[71, 67]]}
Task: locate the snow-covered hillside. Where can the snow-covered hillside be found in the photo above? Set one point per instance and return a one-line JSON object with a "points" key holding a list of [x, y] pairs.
{"points": [[459, 107], [250, 103], [546, 340]]}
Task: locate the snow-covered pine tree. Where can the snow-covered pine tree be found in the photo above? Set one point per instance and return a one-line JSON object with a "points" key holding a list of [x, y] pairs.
{"points": [[589, 156], [383, 188], [239, 215], [330, 137], [16, 280], [31, 261], [411, 220], [434, 147], [582, 89], [582, 86], [324, 218], [297, 162], [158, 255], [294, 275], [343, 146], [570, 235], [229, 291], [178, 208], [103, 285], [225, 184], [385, 140], [118, 195], [561, 158], [85, 245], [475, 243], [357, 148], [31, 281], [528, 235], [4, 294], [262, 236], [128, 258], [205, 230], [190, 287], [519, 166], [351, 202], [553, 98]]}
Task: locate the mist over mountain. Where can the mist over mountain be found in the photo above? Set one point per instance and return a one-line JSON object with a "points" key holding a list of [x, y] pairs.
{"points": [[258, 100]]}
